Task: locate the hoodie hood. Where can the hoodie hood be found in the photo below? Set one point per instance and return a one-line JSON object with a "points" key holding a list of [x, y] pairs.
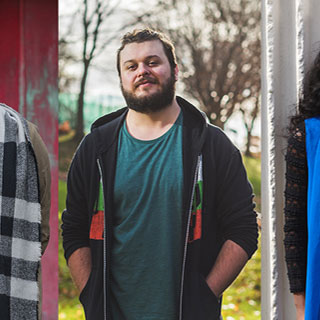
{"points": [[194, 121], [108, 118]]}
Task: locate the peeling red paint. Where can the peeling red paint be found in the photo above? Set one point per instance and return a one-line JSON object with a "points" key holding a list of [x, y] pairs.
{"points": [[29, 71]]}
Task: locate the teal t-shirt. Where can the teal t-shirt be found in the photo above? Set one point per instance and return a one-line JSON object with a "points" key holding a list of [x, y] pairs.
{"points": [[147, 227]]}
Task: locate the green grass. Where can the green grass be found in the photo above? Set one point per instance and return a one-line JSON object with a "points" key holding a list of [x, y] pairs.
{"points": [[241, 300], [67, 147], [69, 306], [253, 166]]}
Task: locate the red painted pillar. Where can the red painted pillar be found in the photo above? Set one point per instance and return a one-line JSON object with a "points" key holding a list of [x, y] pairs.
{"points": [[28, 83]]}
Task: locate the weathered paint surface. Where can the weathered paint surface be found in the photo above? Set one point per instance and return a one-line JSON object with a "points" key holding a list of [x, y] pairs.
{"points": [[29, 70]]}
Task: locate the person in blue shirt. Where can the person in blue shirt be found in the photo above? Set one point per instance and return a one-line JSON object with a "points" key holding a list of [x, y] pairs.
{"points": [[301, 199]]}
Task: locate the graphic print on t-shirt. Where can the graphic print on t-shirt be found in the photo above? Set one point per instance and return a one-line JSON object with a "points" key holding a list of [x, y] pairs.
{"points": [[195, 226], [97, 222]]}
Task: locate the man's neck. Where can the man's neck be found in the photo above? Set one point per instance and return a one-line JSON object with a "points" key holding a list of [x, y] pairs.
{"points": [[151, 126]]}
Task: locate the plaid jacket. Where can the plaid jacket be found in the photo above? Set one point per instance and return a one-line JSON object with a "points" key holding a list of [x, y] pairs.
{"points": [[20, 218]]}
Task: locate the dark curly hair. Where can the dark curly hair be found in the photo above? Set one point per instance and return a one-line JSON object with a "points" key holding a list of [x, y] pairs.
{"points": [[309, 103]]}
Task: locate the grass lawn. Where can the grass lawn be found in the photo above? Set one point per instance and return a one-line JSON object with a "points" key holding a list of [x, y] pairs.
{"points": [[69, 306], [241, 301]]}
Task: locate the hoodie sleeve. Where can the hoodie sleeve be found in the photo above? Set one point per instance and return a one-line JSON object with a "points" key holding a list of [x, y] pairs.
{"points": [[75, 218], [236, 215]]}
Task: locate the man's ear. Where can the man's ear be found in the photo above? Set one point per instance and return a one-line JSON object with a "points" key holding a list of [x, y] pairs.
{"points": [[176, 72]]}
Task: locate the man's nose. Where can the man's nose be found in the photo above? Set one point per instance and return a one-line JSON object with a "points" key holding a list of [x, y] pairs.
{"points": [[143, 69]]}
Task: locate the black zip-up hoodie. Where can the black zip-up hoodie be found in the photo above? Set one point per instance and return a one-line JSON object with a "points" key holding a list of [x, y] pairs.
{"points": [[227, 209]]}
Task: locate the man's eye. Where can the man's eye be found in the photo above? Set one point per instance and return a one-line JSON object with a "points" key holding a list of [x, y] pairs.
{"points": [[130, 67], [152, 63]]}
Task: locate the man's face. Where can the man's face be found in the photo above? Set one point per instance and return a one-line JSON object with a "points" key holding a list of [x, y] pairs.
{"points": [[147, 80]]}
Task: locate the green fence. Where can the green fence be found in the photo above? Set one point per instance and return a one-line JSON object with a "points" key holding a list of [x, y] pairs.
{"points": [[94, 107]]}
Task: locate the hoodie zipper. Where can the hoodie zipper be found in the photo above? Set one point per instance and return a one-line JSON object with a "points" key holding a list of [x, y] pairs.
{"points": [[104, 249], [187, 236]]}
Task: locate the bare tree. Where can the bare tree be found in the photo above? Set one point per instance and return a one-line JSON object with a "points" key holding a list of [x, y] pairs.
{"points": [[92, 23], [218, 50], [66, 57], [99, 29], [250, 109]]}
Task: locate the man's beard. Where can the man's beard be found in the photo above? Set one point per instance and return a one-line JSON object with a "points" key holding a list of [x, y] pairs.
{"points": [[153, 102]]}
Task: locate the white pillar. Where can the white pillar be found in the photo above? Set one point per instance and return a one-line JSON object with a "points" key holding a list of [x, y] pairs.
{"points": [[290, 41]]}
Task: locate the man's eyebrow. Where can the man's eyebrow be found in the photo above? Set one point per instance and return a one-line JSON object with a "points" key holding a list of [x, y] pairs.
{"points": [[146, 58], [129, 61], [152, 56]]}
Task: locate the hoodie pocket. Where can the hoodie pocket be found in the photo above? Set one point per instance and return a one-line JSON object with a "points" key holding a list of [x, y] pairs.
{"points": [[199, 302], [85, 290], [92, 297], [209, 302]]}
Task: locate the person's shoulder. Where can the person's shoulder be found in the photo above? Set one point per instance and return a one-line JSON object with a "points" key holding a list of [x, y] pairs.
{"points": [[96, 140], [215, 130], [108, 120], [33, 130], [297, 134], [312, 125], [219, 138], [88, 144], [36, 140]]}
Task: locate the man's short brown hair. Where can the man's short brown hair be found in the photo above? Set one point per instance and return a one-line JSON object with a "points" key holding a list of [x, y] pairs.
{"points": [[147, 34]]}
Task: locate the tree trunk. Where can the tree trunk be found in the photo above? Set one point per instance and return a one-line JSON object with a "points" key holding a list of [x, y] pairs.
{"points": [[217, 122], [79, 134], [248, 144]]}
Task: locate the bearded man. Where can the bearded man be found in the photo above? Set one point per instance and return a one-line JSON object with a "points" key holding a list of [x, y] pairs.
{"points": [[159, 218]]}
